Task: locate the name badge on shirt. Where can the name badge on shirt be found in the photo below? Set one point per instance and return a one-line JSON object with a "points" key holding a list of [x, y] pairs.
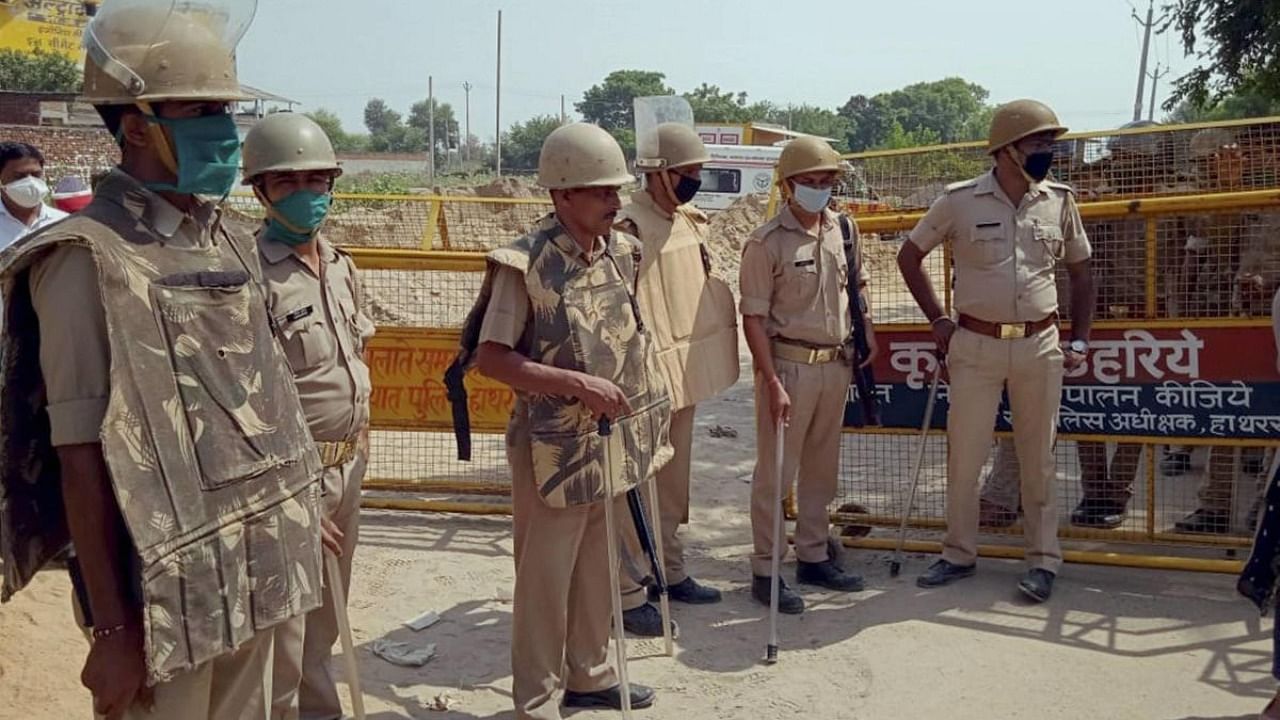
{"points": [[805, 263], [296, 315], [989, 224]]}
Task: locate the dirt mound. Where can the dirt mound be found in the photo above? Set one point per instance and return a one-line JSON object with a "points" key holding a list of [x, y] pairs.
{"points": [[507, 187]]}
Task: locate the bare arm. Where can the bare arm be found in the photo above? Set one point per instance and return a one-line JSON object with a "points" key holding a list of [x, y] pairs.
{"points": [[910, 264], [1083, 298], [507, 366]]}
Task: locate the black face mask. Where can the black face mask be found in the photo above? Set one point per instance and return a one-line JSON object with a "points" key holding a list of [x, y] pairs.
{"points": [[686, 188], [1037, 164]]}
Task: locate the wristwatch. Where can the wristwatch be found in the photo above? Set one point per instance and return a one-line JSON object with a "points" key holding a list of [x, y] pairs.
{"points": [[1079, 347]]}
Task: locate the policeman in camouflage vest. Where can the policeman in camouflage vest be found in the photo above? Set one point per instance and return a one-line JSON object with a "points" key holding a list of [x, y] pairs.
{"points": [[148, 416], [558, 321], [313, 294], [690, 314]]}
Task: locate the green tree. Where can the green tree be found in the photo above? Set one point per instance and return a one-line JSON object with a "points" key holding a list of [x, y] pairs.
{"points": [[609, 104], [808, 119], [953, 108], [1246, 103], [522, 144], [380, 119], [38, 71], [1237, 45], [447, 135], [712, 105]]}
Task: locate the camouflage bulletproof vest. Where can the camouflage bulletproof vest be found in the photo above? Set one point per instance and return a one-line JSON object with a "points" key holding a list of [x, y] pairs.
{"points": [[204, 439], [689, 312], [585, 319]]}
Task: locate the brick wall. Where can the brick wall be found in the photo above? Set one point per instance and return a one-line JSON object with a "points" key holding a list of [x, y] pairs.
{"points": [[67, 151]]}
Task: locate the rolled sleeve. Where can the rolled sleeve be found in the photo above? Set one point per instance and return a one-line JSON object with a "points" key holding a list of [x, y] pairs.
{"points": [[75, 353], [508, 312], [935, 227], [755, 279], [1077, 240]]}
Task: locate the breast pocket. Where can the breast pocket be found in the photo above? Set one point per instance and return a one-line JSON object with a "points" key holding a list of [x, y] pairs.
{"points": [[799, 280], [307, 343], [989, 243], [1049, 243], [225, 370]]}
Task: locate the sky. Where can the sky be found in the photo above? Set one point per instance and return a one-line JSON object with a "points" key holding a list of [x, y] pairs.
{"points": [[1079, 57]]}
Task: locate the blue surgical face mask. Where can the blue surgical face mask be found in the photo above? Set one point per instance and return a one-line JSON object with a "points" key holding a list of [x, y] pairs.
{"points": [[813, 200], [207, 150], [295, 219]]}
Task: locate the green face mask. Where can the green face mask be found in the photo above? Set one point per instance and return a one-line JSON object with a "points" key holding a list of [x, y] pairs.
{"points": [[294, 220], [207, 150]]}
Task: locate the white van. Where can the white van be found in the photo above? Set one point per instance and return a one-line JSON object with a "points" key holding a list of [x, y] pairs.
{"points": [[735, 171]]}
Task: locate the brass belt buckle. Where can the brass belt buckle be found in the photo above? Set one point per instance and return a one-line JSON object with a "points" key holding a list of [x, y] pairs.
{"points": [[814, 356], [1012, 331]]}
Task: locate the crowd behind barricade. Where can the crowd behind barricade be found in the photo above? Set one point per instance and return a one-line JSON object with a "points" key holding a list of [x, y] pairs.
{"points": [[186, 403]]}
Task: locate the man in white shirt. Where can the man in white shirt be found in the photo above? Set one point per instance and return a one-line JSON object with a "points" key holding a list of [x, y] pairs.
{"points": [[22, 193]]}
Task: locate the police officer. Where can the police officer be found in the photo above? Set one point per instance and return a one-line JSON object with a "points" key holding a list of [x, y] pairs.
{"points": [[795, 315], [1007, 229], [558, 321], [174, 436], [691, 317], [313, 293]]}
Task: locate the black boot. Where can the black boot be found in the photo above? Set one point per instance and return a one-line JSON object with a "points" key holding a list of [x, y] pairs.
{"points": [[789, 603], [1206, 522], [1037, 585], [641, 697], [689, 591], [944, 572], [1099, 513], [826, 574], [645, 621]]}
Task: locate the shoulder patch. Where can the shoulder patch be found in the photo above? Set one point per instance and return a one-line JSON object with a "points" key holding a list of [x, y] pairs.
{"points": [[1060, 186], [971, 182], [762, 232]]}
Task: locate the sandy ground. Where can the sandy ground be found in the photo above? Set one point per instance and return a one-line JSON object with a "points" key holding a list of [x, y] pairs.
{"points": [[1113, 643]]}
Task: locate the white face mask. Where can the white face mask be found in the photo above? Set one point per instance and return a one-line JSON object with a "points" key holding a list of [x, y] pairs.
{"points": [[811, 199], [27, 192]]}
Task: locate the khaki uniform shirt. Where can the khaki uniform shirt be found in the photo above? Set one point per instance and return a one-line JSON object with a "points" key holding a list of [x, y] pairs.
{"points": [[797, 280], [324, 331], [1004, 253], [75, 356]]}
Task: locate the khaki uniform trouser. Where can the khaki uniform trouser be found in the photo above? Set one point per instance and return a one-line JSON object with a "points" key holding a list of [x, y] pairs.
{"points": [[980, 367], [811, 449], [1099, 480], [303, 682], [236, 686], [673, 509], [561, 610]]}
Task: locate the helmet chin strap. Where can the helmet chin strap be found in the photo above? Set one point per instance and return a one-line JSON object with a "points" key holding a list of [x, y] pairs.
{"points": [[1020, 161], [669, 188], [160, 139], [275, 215]]}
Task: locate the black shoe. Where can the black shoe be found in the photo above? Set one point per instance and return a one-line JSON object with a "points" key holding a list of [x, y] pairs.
{"points": [[789, 603], [826, 574], [1099, 513], [641, 697], [1175, 463], [1037, 585], [944, 572], [689, 591], [645, 621], [1207, 522]]}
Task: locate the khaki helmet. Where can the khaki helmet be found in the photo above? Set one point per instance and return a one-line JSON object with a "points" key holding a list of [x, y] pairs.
{"points": [[581, 155], [678, 146], [807, 154], [1019, 119], [1209, 141], [141, 51], [287, 142]]}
